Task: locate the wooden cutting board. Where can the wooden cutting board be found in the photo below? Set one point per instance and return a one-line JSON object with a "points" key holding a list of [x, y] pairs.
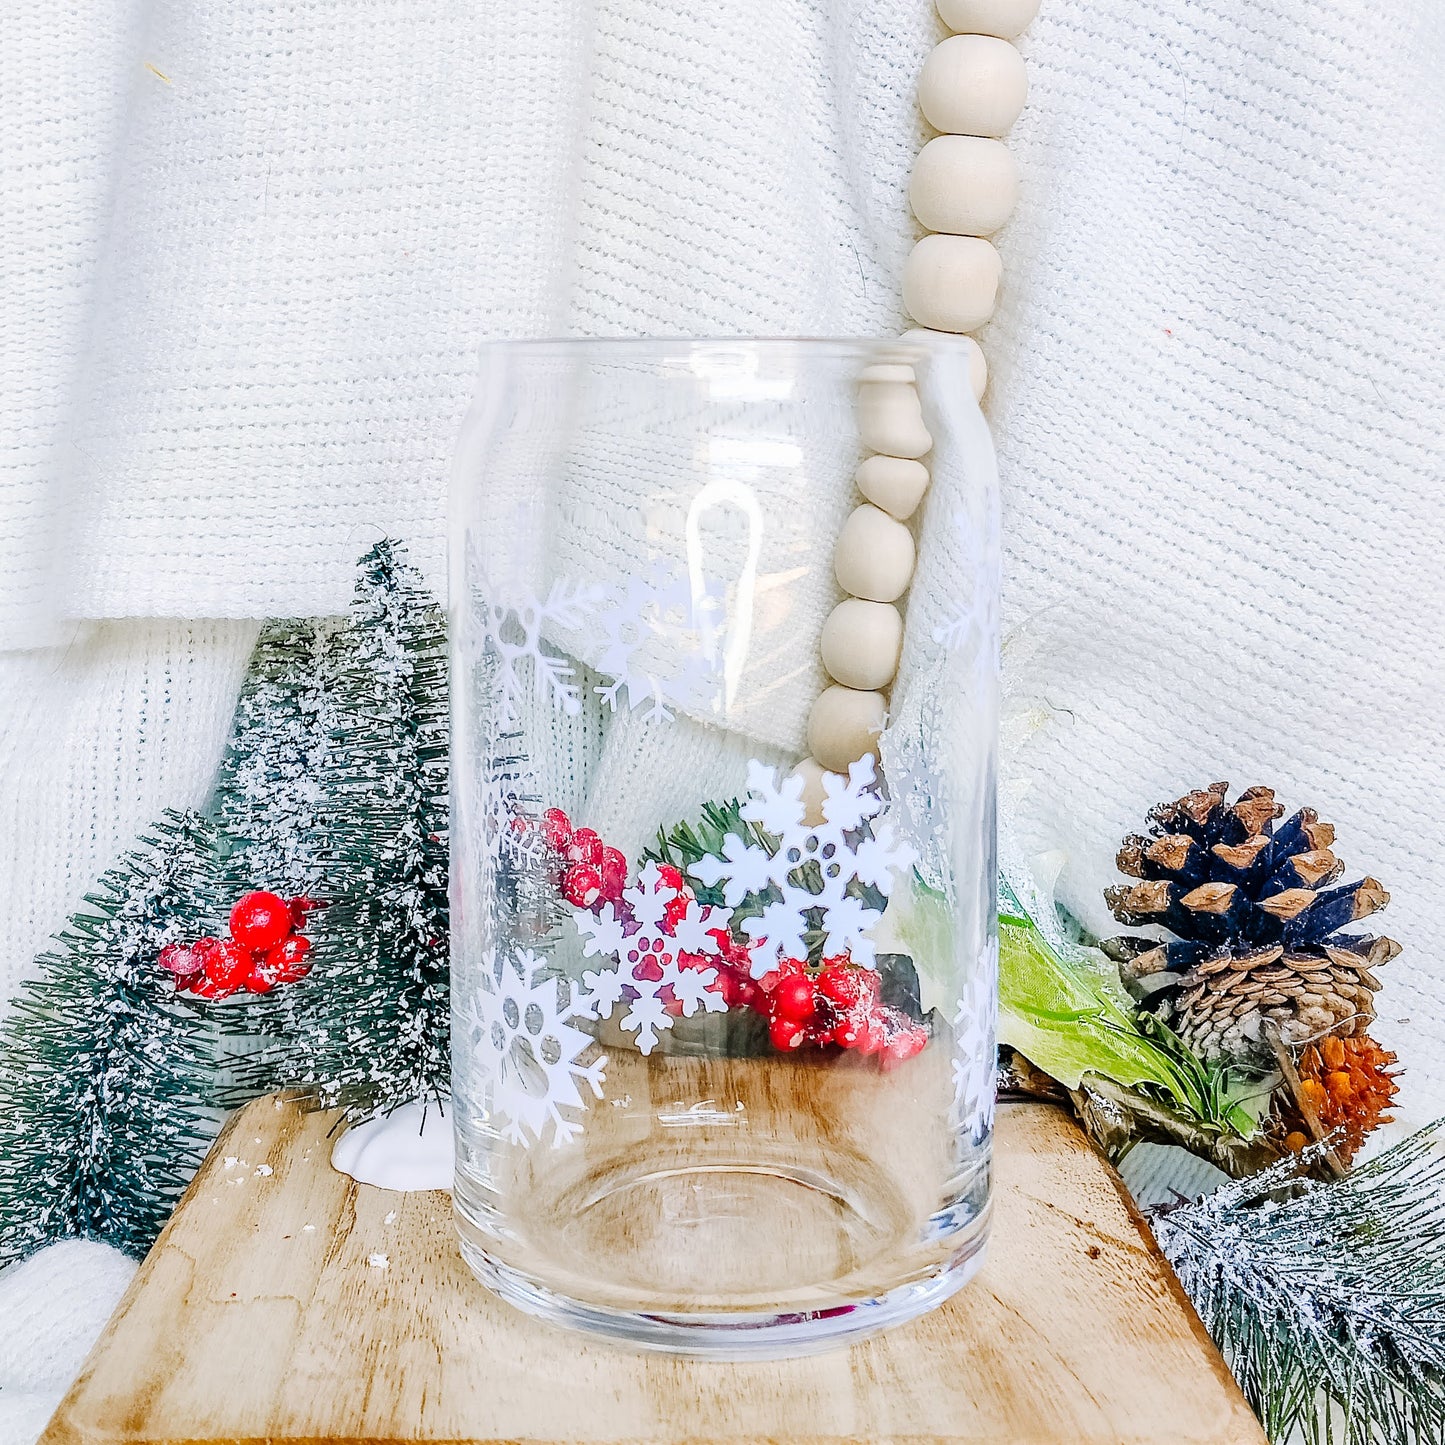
{"points": [[294, 1305]]}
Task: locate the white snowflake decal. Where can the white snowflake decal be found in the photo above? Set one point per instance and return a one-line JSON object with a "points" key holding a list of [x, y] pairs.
{"points": [[660, 939], [653, 617], [974, 623], [975, 1054], [658, 641], [531, 1049], [854, 844], [515, 630], [913, 753]]}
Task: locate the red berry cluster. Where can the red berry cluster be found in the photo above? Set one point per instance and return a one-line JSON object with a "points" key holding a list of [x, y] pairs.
{"points": [[592, 874], [266, 948], [593, 877], [838, 1004]]}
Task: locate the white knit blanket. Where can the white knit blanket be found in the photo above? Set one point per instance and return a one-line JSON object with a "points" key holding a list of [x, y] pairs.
{"points": [[251, 247]]}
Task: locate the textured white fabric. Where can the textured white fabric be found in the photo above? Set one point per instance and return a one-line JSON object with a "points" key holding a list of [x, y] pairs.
{"points": [[53, 1306], [97, 738], [69, 70], [1217, 383]]}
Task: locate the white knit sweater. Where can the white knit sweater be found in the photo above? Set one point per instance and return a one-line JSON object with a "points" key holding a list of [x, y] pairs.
{"points": [[251, 247]]}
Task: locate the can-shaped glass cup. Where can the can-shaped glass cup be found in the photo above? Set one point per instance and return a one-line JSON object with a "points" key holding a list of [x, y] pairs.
{"points": [[724, 630]]}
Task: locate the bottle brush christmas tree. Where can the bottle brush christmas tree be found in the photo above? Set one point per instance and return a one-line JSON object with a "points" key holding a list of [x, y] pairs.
{"points": [[370, 1028], [105, 1073]]}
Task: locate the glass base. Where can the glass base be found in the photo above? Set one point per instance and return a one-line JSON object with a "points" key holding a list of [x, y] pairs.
{"points": [[725, 1256], [762, 1335]]}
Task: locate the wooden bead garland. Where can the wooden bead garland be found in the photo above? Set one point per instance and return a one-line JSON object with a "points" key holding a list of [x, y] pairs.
{"points": [[875, 555], [844, 725], [896, 484], [1004, 18], [890, 417], [950, 283], [861, 642], [964, 187], [973, 85]]}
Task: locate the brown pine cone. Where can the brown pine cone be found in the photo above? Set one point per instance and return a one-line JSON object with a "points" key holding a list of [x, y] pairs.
{"points": [[1256, 923]]}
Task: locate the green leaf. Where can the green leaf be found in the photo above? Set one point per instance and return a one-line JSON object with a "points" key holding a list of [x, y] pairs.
{"points": [[1065, 1021]]}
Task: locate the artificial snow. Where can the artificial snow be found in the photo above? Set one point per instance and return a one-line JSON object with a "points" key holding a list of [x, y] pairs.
{"points": [[408, 1149]]}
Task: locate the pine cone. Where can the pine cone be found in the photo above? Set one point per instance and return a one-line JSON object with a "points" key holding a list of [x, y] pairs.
{"points": [[1256, 924]]}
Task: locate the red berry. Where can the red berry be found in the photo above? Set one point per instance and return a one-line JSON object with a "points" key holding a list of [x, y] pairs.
{"points": [[204, 987], [793, 998], [675, 910], [286, 963], [556, 828], [871, 1035], [786, 1034], [300, 908], [227, 964], [841, 982], [259, 920], [262, 977], [584, 846], [180, 959], [671, 876], [614, 874], [903, 1045], [582, 886]]}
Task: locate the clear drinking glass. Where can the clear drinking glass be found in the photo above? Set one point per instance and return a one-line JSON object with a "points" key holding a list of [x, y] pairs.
{"points": [[723, 1027]]}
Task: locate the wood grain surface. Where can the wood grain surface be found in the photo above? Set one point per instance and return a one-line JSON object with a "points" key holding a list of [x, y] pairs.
{"points": [[286, 1303]]}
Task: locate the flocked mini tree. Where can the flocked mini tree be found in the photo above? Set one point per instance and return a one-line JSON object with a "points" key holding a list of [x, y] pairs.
{"points": [[369, 1027], [270, 800], [106, 1075]]}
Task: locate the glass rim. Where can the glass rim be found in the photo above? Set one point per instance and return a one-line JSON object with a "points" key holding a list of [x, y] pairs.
{"points": [[942, 341]]}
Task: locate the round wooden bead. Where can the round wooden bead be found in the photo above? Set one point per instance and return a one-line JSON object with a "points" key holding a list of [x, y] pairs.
{"points": [[861, 642], [950, 283], [977, 368], [894, 483], [811, 771], [966, 185], [890, 418], [972, 85], [874, 557], [1004, 18], [844, 726]]}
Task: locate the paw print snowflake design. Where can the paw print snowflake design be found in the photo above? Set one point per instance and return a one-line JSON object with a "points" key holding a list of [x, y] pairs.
{"points": [[531, 1049], [975, 1048], [528, 664], [655, 640], [810, 882], [655, 617], [661, 939]]}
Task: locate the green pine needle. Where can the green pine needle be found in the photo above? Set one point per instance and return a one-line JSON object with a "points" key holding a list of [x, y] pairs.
{"points": [[107, 1077], [1327, 1299]]}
